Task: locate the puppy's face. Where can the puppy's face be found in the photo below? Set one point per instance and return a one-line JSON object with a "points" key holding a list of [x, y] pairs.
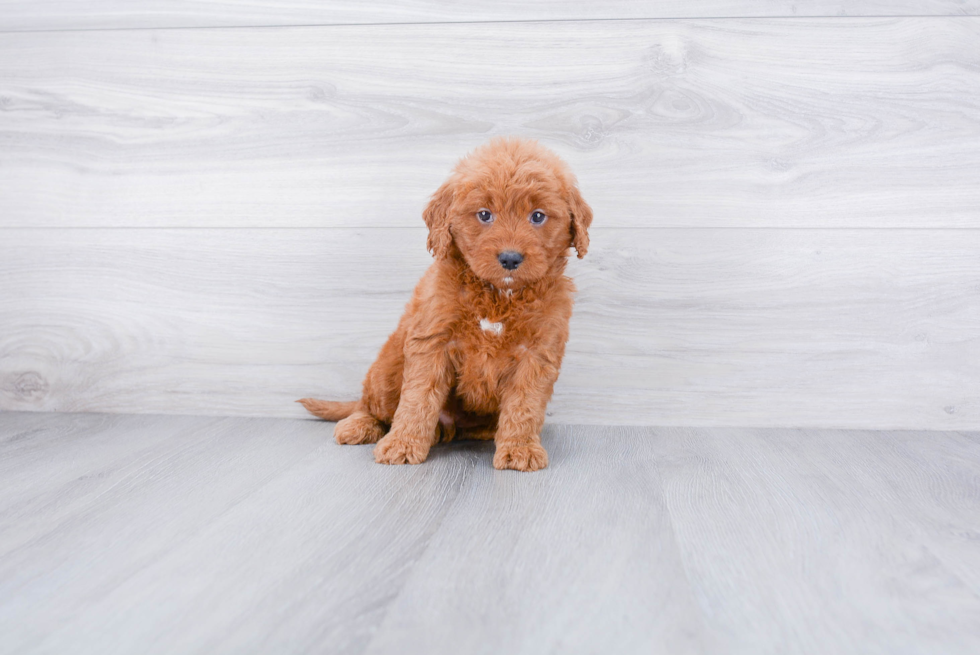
{"points": [[511, 225], [510, 210]]}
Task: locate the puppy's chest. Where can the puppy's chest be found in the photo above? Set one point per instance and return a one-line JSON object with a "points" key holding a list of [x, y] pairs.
{"points": [[488, 334], [487, 343]]}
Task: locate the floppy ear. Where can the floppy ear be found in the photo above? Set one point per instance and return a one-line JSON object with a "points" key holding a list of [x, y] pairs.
{"points": [[581, 220], [436, 216]]}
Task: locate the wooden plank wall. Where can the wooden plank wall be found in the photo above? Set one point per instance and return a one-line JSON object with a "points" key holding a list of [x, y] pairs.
{"points": [[221, 219]]}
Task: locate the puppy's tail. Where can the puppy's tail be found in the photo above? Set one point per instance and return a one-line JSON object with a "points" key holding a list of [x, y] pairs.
{"points": [[328, 409]]}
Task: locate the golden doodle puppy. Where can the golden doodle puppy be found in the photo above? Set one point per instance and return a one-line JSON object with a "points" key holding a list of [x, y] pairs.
{"points": [[479, 348]]}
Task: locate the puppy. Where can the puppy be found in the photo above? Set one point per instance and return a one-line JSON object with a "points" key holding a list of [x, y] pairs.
{"points": [[480, 345]]}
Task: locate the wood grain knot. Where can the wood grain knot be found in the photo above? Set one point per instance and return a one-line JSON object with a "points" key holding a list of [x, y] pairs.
{"points": [[31, 386]]}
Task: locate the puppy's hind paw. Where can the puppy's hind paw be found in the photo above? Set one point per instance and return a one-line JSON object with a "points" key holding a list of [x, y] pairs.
{"points": [[358, 428], [394, 449], [520, 457]]}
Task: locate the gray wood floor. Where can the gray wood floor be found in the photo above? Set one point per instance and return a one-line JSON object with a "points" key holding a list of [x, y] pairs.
{"points": [[123, 533]]}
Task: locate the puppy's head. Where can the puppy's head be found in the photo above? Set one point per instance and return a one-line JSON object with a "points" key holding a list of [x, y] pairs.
{"points": [[510, 209]]}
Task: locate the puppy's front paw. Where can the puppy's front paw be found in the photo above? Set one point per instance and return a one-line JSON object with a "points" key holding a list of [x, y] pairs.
{"points": [[520, 457], [395, 449]]}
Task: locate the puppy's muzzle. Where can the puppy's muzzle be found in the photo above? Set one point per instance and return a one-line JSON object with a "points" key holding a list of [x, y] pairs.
{"points": [[510, 259]]}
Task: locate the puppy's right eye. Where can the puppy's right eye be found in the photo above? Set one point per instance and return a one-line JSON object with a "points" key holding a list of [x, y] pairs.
{"points": [[485, 216]]}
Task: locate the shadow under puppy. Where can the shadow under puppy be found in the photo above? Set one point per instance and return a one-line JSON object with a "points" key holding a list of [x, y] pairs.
{"points": [[479, 347]]}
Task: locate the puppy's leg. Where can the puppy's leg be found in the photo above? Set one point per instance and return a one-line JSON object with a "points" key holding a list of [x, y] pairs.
{"points": [[427, 379], [522, 405], [383, 382], [382, 386]]}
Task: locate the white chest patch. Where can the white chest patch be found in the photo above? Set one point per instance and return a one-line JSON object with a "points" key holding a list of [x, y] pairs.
{"points": [[487, 326]]}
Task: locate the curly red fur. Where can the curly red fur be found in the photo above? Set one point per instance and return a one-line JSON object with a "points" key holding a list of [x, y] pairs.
{"points": [[479, 347]]}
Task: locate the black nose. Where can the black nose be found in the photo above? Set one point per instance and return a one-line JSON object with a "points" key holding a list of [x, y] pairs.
{"points": [[510, 259]]}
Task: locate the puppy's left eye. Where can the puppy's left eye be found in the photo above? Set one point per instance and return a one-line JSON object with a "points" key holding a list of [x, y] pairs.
{"points": [[537, 217]]}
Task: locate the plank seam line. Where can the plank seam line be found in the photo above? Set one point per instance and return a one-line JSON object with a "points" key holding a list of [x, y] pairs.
{"points": [[484, 22]]}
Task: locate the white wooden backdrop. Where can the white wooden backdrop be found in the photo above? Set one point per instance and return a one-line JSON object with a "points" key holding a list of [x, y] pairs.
{"points": [[214, 208]]}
